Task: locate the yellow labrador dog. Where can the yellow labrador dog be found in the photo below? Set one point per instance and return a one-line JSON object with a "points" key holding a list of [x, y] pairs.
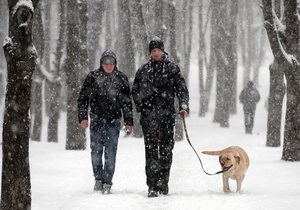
{"points": [[234, 162]]}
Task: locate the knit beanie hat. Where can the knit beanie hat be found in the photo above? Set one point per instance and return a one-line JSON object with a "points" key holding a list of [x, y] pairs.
{"points": [[107, 57], [156, 42]]}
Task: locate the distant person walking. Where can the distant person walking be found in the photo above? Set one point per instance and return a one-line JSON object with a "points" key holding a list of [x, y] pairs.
{"points": [[155, 87], [249, 97], [105, 94]]}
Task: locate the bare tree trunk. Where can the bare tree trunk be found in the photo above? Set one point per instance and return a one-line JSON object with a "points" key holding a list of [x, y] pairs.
{"points": [[232, 56], [260, 58], [36, 105], [226, 60], [248, 43], [174, 54], [76, 139], [140, 35], [187, 34], [291, 146], [96, 16], [83, 14], [47, 25], [141, 30], [126, 61], [21, 57], [276, 94], [54, 86], [109, 18], [46, 59], [212, 58], [201, 60], [3, 28], [159, 20], [222, 96], [38, 78]]}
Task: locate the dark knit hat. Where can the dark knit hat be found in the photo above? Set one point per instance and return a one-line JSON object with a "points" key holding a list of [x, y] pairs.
{"points": [[107, 57], [156, 42], [250, 83]]}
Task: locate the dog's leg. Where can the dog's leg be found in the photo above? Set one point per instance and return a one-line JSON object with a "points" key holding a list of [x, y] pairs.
{"points": [[226, 187], [238, 185]]}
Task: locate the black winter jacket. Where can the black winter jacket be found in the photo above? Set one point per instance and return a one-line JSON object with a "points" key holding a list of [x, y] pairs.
{"points": [[154, 89], [249, 97], [107, 96]]}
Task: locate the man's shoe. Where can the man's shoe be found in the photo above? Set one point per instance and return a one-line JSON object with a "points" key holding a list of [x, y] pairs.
{"points": [[106, 189], [162, 187], [98, 185], [152, 193], [164, 191]]}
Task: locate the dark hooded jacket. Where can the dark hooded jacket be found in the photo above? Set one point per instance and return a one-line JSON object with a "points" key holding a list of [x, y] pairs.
{"points": [[154, 89], [249, 97], [107, 96]]}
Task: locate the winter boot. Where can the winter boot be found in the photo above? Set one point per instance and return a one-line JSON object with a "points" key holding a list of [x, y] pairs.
{"points": [[164, 190], [152, 193], [98, 185], [106, 189], [163, 187]]}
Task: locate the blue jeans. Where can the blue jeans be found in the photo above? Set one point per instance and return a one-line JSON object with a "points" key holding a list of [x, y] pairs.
{"points": [[104, 137]]}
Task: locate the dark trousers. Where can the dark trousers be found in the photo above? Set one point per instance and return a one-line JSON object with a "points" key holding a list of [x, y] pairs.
{"points": [[159, 143], [104, 142], [249, 119]]}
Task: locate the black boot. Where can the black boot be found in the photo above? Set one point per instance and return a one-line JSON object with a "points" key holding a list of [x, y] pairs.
{"points": [[152, 193], [163, 187], [106, 189], [98, 185]]}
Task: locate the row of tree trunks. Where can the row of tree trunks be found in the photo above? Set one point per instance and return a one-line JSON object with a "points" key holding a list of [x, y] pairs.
{"points": [[286, 52]]}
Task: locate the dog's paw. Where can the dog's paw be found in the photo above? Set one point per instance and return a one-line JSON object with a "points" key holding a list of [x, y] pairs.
{"points": [[227, 190]]}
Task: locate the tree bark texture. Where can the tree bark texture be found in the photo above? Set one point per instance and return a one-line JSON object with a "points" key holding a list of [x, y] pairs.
{"points": [[126, 61], [224, 75], [54, 87], [94, 27], [21, 56], [38, 78], [276, 94], [290, 58], [76, 139]]}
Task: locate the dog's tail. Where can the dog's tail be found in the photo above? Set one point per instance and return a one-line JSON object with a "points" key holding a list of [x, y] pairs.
{"points": [[217, 153]]}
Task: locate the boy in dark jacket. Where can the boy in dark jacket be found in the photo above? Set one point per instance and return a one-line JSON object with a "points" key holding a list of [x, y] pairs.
{"points": [[105, 94], [249, 97], [155, 86]]}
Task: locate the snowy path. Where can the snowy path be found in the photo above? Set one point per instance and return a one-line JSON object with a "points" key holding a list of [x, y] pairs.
{"points": [[62, 180]]}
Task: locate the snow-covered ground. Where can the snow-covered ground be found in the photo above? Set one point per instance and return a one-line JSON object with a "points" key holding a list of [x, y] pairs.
{"points": [[62, 180]]}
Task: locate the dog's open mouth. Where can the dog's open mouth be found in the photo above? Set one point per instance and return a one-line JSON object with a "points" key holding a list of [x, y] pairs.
{"points": [[226, 168]]}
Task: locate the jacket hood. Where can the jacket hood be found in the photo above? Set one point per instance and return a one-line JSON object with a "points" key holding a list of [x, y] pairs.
{"points": [[108, 53]]}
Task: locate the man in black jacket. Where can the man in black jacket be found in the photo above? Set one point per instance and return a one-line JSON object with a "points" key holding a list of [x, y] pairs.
{"points": [[155, 86], [249, 97], [106, 93]]}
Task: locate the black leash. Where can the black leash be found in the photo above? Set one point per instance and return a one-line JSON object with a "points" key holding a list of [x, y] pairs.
{"points": [[188, 139]]}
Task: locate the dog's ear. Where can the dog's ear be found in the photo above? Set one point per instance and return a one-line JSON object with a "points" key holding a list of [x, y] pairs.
{"points": [[238, 159]]}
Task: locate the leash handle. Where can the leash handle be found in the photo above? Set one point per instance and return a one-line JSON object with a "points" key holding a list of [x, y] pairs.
{"points": [[188, 139]]}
